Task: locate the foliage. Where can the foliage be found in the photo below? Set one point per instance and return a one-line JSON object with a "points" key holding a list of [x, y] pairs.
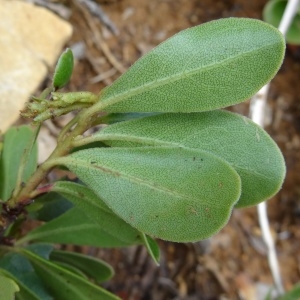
{"points": [[293, 294], [169, 165], [273, 13]]}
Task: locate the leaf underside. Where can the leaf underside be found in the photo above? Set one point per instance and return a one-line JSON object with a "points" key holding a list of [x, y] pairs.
{"points": [[94, 268], [144, 186], [16, 140], [234, 138], [74, 227], [202, 68], [64, 284]]}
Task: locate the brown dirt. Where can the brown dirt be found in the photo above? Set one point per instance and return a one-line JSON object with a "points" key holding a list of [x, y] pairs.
{"points": [[234, 261]]}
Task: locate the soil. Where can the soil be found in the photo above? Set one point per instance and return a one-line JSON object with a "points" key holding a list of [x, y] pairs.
{"points": [[233, 264]]}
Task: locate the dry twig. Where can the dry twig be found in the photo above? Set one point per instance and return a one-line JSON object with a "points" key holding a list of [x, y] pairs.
{"points": [[97, 11], [99, 41]]}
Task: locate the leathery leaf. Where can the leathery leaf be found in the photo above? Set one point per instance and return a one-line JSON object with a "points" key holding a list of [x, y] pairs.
{"points": [[202, 68], [64, 284], [176, 194], [8, 287], [94, 268], [16, 140], [234, 138]]}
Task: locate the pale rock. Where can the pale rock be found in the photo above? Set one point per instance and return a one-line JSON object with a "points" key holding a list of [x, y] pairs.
{"points": [[46, 144], [31, 39]]}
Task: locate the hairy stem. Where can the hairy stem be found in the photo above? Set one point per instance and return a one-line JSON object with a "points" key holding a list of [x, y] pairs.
{"points": [[84, 120]]}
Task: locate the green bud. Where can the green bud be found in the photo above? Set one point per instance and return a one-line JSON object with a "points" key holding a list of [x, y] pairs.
{"points": [[63, 69]]}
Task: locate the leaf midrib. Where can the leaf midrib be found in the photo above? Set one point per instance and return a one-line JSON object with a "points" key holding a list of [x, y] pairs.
{"points": [[67, 191], [141, 140], [113, 99], [93, 204], [130, 178], [59, 278], [38, 235]]}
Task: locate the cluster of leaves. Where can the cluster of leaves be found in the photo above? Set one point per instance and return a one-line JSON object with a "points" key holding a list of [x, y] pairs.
{"points": [[169, 165]]}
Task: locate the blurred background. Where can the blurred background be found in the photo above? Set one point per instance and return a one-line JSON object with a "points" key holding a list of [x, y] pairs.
{"points": [[106, 38]]}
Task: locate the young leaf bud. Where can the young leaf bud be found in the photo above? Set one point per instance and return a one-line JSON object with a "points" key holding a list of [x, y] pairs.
{"points": [[63, 69]]}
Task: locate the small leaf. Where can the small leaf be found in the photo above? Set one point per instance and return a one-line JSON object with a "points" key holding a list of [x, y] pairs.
{"points": [[273, 12], [234, 138], [94, 268], [42, 250], [16, 140], [21, 271], [62, 283], [202, 68], [95, 209], [71, 269], [52, 206], [74, 227], [63, 69], [8, 288], [152, 247], [175, 194]]}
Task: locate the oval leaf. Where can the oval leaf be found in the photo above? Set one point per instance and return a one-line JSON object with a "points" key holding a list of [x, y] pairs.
{"points": [[94, 268], [21, 271], [210, 66], [97, 211], [8, 288], [64, 284], [71, 269], [174, 194], [16, 140], [63, 69], [234, 138], [74, 227]]}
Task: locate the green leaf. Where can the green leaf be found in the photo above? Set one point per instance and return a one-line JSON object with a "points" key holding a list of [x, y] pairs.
{"points": [[26, 294], [152, 247], [119, 117], [63, 69], [41, 249], [71, 269], [21, 271], [16, 140], [273, 12], [52, 206], [8, 288], [293, 294], [210, 66], [234, 138], [94, 268], [45, 250], [175, 194], [95, 209], [74, 227], [62, 283]]}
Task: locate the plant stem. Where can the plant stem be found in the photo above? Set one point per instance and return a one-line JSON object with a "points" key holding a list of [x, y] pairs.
{"points": [[84, 120], [67, 128]]}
